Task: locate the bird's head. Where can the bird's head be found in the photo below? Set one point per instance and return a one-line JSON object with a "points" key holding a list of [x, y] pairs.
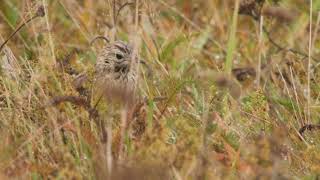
{"points": [[115, 58]]}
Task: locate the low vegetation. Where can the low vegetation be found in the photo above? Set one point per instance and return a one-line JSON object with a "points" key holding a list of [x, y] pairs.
{"points": [[229, 90]]}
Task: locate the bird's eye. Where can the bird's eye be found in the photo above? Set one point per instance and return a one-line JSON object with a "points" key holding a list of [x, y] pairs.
{"points": [[119, 56]]}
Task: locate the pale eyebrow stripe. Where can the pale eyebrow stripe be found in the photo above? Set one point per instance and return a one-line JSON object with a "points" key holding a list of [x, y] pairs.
{"points": [[122, 49]]}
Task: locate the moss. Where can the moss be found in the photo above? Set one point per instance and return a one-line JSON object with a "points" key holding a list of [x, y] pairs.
{"points": [[256, 107]]}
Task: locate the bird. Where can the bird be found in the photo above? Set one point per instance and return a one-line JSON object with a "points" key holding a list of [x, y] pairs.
{"points": [[116, 75], [116, 71]]}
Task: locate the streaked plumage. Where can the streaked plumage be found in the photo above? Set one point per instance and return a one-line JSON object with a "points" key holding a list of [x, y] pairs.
{"points": [[116, 71]]}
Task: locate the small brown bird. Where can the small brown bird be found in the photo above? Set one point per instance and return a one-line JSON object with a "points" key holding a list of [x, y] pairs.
{"points": [[116, 75], [116, 71]]}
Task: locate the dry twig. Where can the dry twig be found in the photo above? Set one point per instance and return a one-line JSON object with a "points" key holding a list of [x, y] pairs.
{"points": [[39, 13]]}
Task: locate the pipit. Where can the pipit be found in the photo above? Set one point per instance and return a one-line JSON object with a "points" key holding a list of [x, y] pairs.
{"points": [[116, 71]]}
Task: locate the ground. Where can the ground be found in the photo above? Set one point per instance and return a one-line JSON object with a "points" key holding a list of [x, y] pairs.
{"points": [[232, 92]]}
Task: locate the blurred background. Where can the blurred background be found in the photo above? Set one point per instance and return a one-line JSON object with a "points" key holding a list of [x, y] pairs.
{"points": [[234, 91]]}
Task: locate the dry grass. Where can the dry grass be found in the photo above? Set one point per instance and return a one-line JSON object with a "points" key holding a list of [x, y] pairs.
{"points": [[193, 120]]}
